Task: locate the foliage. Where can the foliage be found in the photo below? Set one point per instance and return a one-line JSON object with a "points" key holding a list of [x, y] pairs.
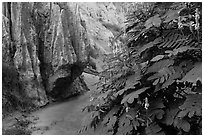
{"points": [[153, 87]]}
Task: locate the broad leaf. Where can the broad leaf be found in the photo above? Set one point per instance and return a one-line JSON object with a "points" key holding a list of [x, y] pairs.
{"points": [[182, 124], [111, 114], [111, 123], [153, 21], [185, 126], [176, 74], [130, 97], [155, 109], [171, 112], [120, 92], [153, 129], [130, 84], [192, 106], [162, 75], [125, 126], [170, 115], [104, 95], [156, 104], [88, 119], [194, 74], [159, 65], [156, 113], [170, 15]]}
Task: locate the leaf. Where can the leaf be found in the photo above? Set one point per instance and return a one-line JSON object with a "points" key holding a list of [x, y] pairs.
{"points": [[155, 76], [111, 122], [162, 75], [171, 112], [159, 65], [104, 95], [135, 124], [155, 109], [148, 45], [170, 115], [141, 33], [157, 40], [131, 115], [132, 79], [130, 97], [120, 92], [124, 125], [153, 129], [173, 40], [156, 113], [157, 58], [156, 82], [162, 79], [182, 124], [156, 104], [176, 74], [110, 114], [170, 15], [153, 21], [192, 105], [185, 126], [182, 49], [194, 74], [88, 120], [130, 84]]}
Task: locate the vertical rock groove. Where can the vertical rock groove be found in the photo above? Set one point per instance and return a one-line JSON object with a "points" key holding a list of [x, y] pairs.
{"points": [[50, 53], [50, 44]]}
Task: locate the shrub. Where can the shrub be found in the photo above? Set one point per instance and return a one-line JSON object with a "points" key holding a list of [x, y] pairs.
{"points": [[155, 86]]}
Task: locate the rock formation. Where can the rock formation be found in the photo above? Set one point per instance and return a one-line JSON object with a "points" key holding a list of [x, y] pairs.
{"points": [[103, 21], [48, 45]]}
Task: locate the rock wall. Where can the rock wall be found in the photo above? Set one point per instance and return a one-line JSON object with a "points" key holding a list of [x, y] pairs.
{"points": [[46, 44], [103, 21]]}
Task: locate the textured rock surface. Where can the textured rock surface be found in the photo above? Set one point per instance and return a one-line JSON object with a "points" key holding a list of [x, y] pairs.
{"points": [[102, 21], [46, 43], [19, 52], [49, 44]]}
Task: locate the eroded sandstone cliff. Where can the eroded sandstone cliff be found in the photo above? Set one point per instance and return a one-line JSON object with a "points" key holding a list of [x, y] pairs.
{"points": [[46, 46]]}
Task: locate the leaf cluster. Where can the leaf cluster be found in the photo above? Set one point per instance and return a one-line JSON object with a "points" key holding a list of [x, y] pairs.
{"points": [[157, 87]]}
